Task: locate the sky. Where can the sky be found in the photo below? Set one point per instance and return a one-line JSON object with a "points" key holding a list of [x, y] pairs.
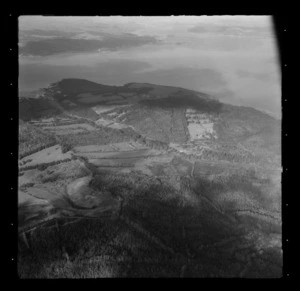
{"points": [[232, 58]]}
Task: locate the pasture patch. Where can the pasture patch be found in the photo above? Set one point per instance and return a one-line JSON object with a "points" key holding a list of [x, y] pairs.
{"points": [[92, 148], [105, 108], [28, 176], [200, 131], [47, 155], [113, 147], [70, 128], [65, 132], [25, 198], [103, 122], [117, 125], [113, 163]]}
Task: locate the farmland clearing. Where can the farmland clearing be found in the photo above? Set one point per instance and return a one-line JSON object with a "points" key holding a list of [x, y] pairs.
{"points": [[164, 174], [47, 155]]}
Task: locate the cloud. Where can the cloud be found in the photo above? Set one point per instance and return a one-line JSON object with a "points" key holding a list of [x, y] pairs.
{"points": [[190, 78], [259, 76], [235, 30], [58, 45], [35, 76]]}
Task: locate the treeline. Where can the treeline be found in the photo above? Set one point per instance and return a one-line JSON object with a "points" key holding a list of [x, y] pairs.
{"points": [[227, 156], [34, 108]]}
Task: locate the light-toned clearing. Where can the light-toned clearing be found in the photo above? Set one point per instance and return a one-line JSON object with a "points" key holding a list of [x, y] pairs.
{"points": [[47, 155], [180, 148], [28, 176], [121, 114], [97, 155], [200, 131], [127, 146], [78, 186], [39, 122], [80, 192], [114, 147], [103, 122], [93, 148], [65, 119], [72, 126], [111, 124], [159, 159], [104, 108], [48, 119], [113, 114], [41, 192], [29, 200], [69, 131], [118, 154], [117, 125], [112, 163]]}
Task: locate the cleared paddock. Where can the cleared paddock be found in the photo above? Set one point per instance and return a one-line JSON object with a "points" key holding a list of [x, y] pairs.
{"points": [[48, 155]]}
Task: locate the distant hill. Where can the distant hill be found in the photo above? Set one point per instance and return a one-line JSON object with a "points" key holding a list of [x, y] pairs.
{"points": [[173, 176]]}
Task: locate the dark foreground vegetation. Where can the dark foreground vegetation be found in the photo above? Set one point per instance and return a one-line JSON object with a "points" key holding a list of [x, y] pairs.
{"points": [[33, 139], [157, 233]]}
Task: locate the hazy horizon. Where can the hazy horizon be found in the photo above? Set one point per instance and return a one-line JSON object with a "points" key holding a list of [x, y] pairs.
{"points": [[233, 58]]}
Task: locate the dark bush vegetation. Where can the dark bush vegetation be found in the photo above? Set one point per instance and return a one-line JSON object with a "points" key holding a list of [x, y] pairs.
{"points": [[32, 108], [159, 223], [33, 139], [65, 146], [185, 101], [96, 248]]}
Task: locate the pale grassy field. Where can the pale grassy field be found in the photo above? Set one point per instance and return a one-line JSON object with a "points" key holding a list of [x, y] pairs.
{"points": [[117, 125], [24, 197], [111, 124], [103, 122], [47, 155], [200, 131], [118, 154], [70, 131], [104, 108], [114, 147], [72, 126], [28, 176]]}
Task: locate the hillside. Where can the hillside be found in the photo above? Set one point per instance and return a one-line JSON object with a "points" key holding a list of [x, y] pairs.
{"points": [[144, 180]]}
